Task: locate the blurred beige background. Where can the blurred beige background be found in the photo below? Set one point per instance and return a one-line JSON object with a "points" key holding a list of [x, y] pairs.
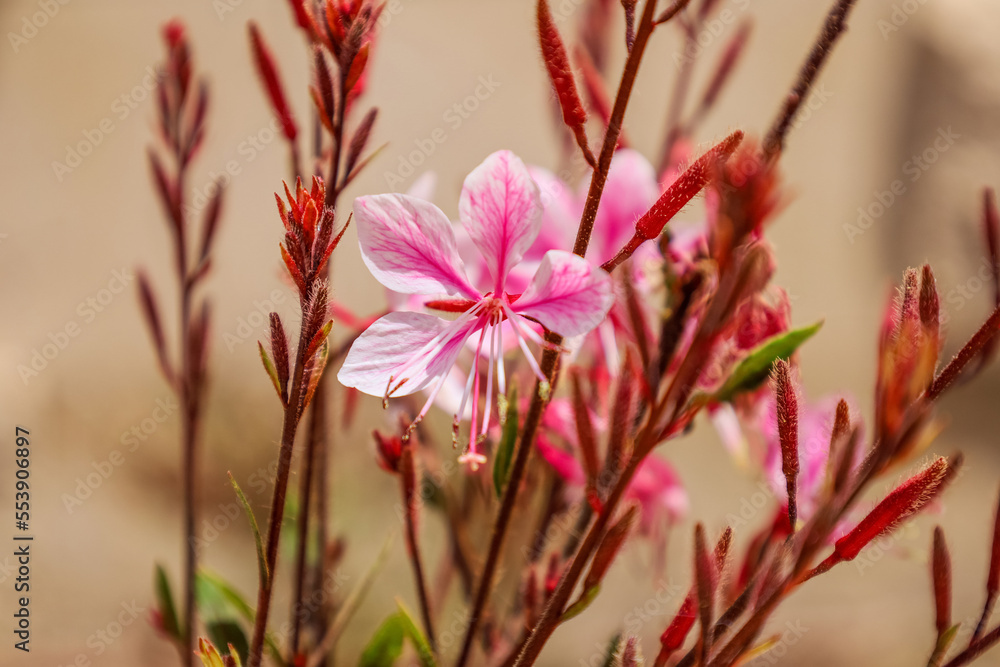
{"points": [[65, 238]]}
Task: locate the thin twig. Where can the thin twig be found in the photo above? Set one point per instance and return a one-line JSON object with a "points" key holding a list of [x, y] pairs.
{"points": [[288, 429], [836, 24], [550, 357]]}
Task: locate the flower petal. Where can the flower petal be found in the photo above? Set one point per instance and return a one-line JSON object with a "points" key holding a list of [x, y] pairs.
{"points": [[501, 209], [630, 191], [390, 345], [568, 294], [409, 246]]}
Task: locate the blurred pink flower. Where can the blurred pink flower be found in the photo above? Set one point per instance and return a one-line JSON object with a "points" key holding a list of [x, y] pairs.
{"points": [[656, 486], [410, 246]]}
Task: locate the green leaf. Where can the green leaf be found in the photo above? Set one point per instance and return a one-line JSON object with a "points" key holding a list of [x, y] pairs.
{"points": [[216, 593], [271, 371], [416, 635], [578, 607], [755, 368], [358, 593], [165, 602], [262, 572], [609, 656], [386, 645], [505, 451], [229, 633]]}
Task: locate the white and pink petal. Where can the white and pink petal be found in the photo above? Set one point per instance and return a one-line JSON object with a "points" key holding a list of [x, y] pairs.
{"points": [[501, 209], [568, 294], [414, 347], [409, 246]]}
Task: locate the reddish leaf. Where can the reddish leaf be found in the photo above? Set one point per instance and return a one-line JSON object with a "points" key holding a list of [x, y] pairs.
{"points": [[268, 72]]}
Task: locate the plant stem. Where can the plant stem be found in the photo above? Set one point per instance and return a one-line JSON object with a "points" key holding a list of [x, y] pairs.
{"points": [[600, 175], [550, 357], [553, 610], [975, 649], [289, 426], [418, 567], [836, 24], [189, 400], [316, 447], [317, 424]]}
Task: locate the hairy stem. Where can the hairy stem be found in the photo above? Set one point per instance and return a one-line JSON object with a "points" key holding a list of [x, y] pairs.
{"points": [[836, 24], [289, 426], [418, 568]]}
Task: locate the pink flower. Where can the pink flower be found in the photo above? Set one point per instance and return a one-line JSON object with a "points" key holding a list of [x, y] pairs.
{"points": [[410, 246], [629, 192]]}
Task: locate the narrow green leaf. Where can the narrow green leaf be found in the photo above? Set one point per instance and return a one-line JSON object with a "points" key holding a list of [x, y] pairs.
{"points": [[609, 656], [357, 594], [262, 572], [578, 607], [216, 592], [229, 633], [165, 602], [318, 365], [505, 451], [271, 371], [755, 368], [416, 635], [386, 645]]}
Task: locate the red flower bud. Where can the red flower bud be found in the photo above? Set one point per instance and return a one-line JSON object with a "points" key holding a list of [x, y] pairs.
{"points": [[388, 450], [268, 72], [561, 76], [788, 431], [907, 499]]}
